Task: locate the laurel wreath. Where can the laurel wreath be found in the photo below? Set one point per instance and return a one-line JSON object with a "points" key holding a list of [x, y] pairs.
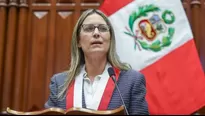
{"points": [[166, 20], [156, 45], [143, 10]]}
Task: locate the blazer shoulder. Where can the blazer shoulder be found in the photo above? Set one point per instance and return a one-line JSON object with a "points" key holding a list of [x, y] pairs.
{"points": [[59, 78], [131, 73]]}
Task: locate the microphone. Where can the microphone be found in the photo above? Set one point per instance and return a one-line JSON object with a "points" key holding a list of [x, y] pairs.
{"points": [[112, 75]]}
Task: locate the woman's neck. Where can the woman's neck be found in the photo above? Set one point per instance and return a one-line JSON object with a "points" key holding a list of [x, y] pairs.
{"points": [[95, 66]]}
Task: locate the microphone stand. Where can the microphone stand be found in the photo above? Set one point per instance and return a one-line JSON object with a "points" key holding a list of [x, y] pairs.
{"points": [[113, 78]]}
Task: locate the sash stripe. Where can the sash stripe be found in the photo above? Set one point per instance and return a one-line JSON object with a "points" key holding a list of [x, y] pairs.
{"points": [[107, 94], [69, 97]]}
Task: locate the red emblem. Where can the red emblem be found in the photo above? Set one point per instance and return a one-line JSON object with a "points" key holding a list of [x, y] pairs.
{"points": [[147, 30]]}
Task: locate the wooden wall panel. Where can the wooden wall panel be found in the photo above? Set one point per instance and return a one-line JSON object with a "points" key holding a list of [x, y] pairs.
{"points": [[10, 55], [202, 43], [64, 28], [50, 50], [195, 20], [37, 72], [3, 22], [20, 61]]}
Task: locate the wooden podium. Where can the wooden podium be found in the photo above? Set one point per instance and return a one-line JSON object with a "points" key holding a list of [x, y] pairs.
{"points": [[71, 111]]}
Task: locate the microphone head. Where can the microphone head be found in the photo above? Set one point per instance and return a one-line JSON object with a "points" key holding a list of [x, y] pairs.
{"points": [[111, 72]]}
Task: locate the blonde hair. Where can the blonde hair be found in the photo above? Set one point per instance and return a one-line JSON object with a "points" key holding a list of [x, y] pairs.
{"points": [[77, 56]]}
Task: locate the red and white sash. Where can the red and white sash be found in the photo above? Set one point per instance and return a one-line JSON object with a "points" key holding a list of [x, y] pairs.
{"points": [[106, 97]]}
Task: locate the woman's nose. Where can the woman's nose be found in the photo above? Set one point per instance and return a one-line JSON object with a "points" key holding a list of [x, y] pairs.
{"points": [[96, 33]]}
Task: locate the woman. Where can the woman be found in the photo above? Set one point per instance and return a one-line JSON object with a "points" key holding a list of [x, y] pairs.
{"points": [[87, 83]]}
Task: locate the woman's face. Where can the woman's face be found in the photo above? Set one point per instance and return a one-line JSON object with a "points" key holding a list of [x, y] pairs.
{"points": [[94, 35]]}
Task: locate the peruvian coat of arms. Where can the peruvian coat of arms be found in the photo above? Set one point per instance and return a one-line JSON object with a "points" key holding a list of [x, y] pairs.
{"points": [[148, 29]]}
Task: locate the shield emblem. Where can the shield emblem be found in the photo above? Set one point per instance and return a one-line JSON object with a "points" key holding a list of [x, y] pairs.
{"points": [[158, 24], [147, 29]]}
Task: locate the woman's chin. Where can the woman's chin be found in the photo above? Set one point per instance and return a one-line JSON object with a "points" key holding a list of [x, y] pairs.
{"points": [[97, 51]]}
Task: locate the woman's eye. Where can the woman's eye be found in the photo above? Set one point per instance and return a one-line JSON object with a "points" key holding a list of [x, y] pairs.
{"points": [[89, 28]]}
